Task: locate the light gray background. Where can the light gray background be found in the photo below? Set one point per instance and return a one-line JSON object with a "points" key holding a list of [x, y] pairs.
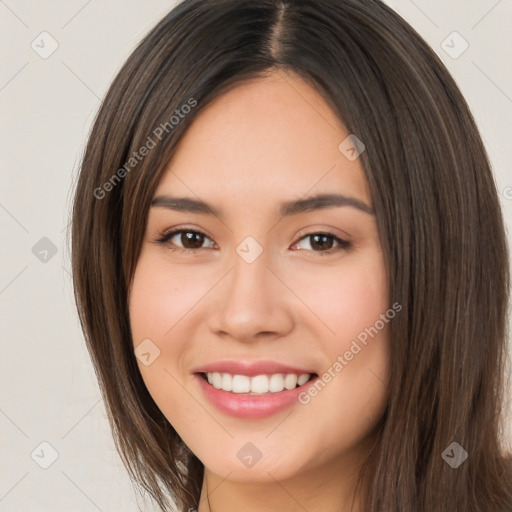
{"points": [[49, 392]]}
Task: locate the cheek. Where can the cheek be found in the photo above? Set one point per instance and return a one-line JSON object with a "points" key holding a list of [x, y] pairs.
{"points": [[156, 305], [347, 299], [353, 302], [158, 300]]}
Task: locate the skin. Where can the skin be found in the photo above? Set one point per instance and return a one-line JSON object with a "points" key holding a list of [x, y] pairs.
{"points": [[264, 142]]}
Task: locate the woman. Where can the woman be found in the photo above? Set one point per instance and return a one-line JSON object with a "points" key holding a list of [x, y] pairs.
{"points": [[290, 266]]}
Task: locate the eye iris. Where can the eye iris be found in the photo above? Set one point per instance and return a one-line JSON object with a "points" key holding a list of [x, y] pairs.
{"points": [[189, 236], [323, 245]]}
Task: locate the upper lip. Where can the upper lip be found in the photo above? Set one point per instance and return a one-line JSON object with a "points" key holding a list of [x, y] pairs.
{"points": [[250, 368]]}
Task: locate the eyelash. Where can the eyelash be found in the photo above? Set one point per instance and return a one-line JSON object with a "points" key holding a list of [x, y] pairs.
{"points": [[164, 240]]}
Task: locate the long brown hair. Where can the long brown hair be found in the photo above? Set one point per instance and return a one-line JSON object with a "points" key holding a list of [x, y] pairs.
{"points": [[438, 214]]}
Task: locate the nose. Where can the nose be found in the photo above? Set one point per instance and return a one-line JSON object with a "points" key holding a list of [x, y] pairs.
{"points": [[253, 303]]}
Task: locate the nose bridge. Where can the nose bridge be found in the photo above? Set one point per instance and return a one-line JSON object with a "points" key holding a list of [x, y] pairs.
{"points": [[252, 300], [249, 278]]}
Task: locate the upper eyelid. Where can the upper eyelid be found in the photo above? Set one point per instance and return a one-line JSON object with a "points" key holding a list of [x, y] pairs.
{"points": [[303, 232], [172, 232]]}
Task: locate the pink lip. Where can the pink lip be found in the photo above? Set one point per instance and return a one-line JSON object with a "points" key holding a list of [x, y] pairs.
{"points": [[250, 369], [245, 406]]}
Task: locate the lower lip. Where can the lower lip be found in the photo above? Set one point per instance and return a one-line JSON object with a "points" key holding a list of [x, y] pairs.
{"points": [[247, 406]]}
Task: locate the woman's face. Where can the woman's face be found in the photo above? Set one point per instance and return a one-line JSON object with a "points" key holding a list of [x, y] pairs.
{"points": [[301, 291]]}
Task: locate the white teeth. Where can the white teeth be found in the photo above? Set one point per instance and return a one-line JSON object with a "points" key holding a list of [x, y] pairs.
{"points": [[217, 380], [226, 382], [240, 383], [290, 381], [257, 385], [276, 383], [303, 379]]}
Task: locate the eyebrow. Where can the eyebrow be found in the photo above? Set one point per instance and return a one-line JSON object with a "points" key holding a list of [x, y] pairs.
{"points": [[287, 208]]}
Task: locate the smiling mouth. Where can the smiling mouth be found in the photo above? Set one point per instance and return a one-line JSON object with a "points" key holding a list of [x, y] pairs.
{"points": [[264, 384]]}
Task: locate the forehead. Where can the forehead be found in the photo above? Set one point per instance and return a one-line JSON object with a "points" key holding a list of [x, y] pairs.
{"points": [[271, 138]]}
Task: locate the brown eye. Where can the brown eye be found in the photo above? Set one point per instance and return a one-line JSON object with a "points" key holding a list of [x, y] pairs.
{"points": [[323, 243], [189, 240], [183, 240]]}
